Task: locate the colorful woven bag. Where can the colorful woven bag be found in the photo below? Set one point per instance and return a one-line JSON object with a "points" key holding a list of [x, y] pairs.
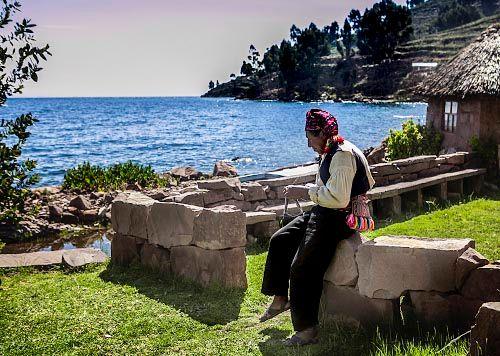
{"points": [[360, 219]]}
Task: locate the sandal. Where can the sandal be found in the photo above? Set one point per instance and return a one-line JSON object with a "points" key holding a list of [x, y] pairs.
{"points": [[298, 341], [272, 312]]}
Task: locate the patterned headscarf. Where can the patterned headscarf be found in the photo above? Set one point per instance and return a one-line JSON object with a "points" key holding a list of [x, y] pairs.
{"points": [[321, 120]]}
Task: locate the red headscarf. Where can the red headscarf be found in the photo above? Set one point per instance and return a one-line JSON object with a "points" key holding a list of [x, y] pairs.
{"points": [[321, 120]]}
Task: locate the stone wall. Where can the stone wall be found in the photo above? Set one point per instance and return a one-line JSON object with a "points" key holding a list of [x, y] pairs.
{"points": [[409, 169], [202, 244], [441, 281]]}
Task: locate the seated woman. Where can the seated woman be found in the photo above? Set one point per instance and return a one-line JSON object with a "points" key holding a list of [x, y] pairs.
{"points": [[300, 252]]}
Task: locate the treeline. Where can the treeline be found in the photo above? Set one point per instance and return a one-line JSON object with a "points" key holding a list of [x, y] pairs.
{"points": [[375, 34]]}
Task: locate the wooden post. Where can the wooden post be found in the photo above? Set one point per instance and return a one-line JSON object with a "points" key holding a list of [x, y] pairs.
{"points": [[396, 205], [477, 184], [443, 191], [420, 198]]}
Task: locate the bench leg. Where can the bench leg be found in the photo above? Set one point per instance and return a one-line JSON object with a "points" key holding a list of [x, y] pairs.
{"points": [[443, 191], [456, 188], [396, 205], [420, 198]]}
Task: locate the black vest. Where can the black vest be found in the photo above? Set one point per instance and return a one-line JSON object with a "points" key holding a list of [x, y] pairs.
{"points": [[360, 184]]}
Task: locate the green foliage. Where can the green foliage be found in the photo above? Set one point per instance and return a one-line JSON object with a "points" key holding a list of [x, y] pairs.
{"points": [[412, 140], [19, 63], [455, 14], [487, 151], [381, 29], [87, 177]]}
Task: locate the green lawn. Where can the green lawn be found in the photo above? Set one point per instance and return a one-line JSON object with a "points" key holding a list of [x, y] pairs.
{"points": [[109, 310]]}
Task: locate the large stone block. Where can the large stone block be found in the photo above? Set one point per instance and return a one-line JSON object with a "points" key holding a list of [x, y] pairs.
{"points": [[156, 258], [253, 191], [219, 195], [129, 214], [125, 249], [215, 184], [467, 262], [220, 227], [483, 283], [434, 308], [225, 267], [83, 256], [343, 270], [345, 304], [172, 224], [265, 229], [485, 334], [195, 198], [390, 265]]}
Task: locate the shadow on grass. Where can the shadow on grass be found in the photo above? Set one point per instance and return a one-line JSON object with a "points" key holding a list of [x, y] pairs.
{"points": [[210, 306]]}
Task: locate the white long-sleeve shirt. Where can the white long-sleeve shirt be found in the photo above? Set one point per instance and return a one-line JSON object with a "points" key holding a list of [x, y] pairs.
{"points": [[336, 194]]}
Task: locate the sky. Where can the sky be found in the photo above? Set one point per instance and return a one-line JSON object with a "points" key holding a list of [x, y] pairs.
{"points": [[160, 48]]}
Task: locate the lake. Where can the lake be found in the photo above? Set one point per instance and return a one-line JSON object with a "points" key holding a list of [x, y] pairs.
{"points": [[167, 132]]}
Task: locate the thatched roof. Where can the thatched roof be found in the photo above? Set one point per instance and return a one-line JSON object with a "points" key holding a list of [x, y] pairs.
{"points": [[475, 70]]}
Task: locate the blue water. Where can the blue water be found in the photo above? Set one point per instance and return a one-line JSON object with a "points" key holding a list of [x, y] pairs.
{"points": [[169, 132]]}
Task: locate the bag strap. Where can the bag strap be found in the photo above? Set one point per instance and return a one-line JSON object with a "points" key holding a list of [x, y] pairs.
{"points": [[296, 202]]}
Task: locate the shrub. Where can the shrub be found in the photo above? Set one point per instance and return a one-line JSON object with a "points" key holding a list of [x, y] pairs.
{"points": [[487, 151], [413, 140], [87, 177], [455, 14], [19, 63]]}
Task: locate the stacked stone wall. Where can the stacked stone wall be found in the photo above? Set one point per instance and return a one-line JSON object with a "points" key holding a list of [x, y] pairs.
{"points": [[435, 281], [204, 245], [409, 169]]}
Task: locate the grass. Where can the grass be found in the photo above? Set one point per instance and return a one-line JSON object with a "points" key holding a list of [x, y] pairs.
{"points": [[110, 310]]}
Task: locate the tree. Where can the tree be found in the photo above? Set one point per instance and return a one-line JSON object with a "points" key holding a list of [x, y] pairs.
{"points": [[347, 39], [232, 76], [211, 85], [455, 14], [217, 83], [19, 63], [381, 29], [412, 3], [246, 68], [271, 59], [251, 67]]}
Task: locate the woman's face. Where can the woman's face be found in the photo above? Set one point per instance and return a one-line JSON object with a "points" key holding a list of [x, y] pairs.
{"points": [[317, 143]]}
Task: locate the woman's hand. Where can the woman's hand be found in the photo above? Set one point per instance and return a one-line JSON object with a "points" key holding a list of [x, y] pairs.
{"points": [[296, 192]]}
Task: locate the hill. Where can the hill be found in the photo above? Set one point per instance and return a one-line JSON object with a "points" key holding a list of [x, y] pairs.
{"points": [[357, 79]]}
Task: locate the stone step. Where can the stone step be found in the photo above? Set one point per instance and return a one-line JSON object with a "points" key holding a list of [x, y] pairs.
{"points": [[292, 208], [255, 217], [74, 258]]}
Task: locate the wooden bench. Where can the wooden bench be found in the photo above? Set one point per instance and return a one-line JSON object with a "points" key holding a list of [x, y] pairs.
{"points": [[392, 198]]}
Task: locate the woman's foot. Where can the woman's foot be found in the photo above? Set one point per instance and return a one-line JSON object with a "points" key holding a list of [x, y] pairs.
{"points": [[305, 337], [278, 306]]}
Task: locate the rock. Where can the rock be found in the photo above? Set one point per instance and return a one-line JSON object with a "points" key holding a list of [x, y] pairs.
{"points": [[412, 264], [434, 308], [457, 158], [171, 224], [101, 214], [271, 194], [253, 191], [377, 155], [158, 195], [96, 195], [129, 215], [190, 198], [185, 173], [156, 258], [134, 186], [219, 228], [49, 190], [217, 184], [384, 169], [81, 257], [218, 195], [343, 270], [265, 229], [90, 216], [254, 217], [467, 262], [483, 283], [55, 212], [235, 204], [81, 203], [125, 250], [223, 267], [224, 169], [108, 198], [344, 304], [68, 218], [485, 334]]}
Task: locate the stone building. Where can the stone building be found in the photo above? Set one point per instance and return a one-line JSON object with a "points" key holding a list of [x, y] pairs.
{"points": [[464, 95]]}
